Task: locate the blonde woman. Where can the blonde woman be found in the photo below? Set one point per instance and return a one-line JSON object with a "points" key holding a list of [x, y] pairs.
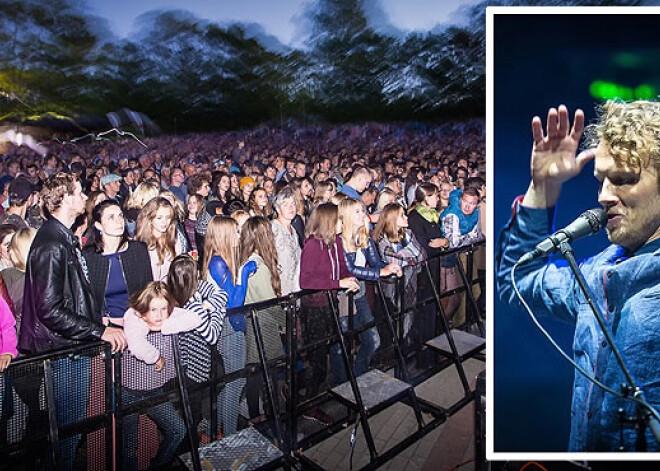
{"points": [[14, 277], [221, 267], [364, 262], [156, 228], [142, 194], [397, 244]]}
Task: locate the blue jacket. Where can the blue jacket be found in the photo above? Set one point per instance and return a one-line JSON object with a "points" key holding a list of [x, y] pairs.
{"points": [[370, 272], [627, 290]]}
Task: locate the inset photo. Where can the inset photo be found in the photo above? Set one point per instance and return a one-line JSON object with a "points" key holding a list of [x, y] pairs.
{"points": [[574, 144]]}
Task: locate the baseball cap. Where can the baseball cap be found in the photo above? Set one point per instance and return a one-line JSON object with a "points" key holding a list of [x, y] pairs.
{"points": [[109, 178], [20, 190]]}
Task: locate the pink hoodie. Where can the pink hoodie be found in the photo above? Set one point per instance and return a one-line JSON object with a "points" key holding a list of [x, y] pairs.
{"points": [[8, 339]]}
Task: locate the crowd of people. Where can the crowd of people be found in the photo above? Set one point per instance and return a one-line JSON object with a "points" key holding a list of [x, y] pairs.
{"points": [[130, 244]]}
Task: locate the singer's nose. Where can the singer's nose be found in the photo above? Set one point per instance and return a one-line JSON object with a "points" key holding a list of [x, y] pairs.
{"points": [[607, 196]]}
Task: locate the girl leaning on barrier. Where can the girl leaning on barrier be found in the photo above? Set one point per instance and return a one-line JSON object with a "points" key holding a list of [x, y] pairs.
{"points": [[363, 261], [322, 267], [258, 246], [221, 266], [398, 244]]}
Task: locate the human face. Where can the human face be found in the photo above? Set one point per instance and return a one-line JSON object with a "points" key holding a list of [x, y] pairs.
{"points": [[192, 206], [4, 246], [301, 170], [631, 198], [77, 200], [445, 189], [288, 210], [469, 204], [306, 189], [112, 221], [402, 219], [177, 177], [159, 310], [358, 216], [431, 200], [204, 190], [224, 184], [161, 222], [261, 198], [268, 187], [271, 173], [247, 189]]}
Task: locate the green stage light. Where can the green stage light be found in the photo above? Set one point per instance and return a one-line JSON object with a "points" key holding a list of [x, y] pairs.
{"points": [[604, 90], [645, 92]]}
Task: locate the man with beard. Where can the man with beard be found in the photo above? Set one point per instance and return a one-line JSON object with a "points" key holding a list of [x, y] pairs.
{"points": [[623, 278]]}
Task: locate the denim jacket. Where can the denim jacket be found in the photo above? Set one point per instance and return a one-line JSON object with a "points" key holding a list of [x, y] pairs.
{"points": [[627, 290]]}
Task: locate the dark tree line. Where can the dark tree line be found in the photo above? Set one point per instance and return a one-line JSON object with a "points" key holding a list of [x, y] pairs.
{"points": [[190, 74]]}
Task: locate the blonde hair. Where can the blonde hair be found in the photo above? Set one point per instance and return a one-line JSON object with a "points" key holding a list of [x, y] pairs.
{"points": [[387, 224], [221, 235], [630, 131], [142, 194], [177, 204], [19, 247], [166, 245], [353, 237]]}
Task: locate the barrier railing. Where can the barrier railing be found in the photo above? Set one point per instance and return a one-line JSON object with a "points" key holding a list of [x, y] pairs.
{"points": [[87, 408]]}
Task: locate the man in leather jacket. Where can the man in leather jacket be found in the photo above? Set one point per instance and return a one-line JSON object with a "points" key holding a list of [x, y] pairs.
{"points": [[58, 306]]}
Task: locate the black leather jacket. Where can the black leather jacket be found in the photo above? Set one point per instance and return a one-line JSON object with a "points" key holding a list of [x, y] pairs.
{"points": [[58, 306]]}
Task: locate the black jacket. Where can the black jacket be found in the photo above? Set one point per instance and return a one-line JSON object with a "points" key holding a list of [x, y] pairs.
{"points": [[58, 307], [135, 264]]}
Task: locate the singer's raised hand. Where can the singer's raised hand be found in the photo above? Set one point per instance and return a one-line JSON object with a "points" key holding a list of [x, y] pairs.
{"points": [[553, 158]]}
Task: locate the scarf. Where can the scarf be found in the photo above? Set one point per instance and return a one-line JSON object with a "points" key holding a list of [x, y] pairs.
{"points": [[431, 215]]}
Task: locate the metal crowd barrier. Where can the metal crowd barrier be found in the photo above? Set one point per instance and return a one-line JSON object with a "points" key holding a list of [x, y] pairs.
{"points": [[79, 408]]}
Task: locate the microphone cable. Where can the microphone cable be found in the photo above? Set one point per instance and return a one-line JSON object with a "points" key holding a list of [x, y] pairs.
{"points": [[637, 400]]}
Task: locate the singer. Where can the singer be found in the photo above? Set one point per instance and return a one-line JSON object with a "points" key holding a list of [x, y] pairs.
{"points": [[624, 278]]}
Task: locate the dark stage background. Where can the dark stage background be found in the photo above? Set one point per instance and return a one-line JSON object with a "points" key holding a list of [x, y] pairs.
{"points": [[542, 61]]}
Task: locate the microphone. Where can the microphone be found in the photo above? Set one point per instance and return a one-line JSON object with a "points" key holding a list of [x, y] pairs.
{"points": [[587, 223]]}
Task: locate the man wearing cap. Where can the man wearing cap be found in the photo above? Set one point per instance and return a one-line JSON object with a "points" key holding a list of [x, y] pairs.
{"points": [[110, 184], [20, 199]]}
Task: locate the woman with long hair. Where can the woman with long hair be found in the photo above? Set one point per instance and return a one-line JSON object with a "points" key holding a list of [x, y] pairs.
{"points": [[7, 231], [194, 206], [259, 205], [363, 261], [397, 244], [222, 188], [118, 266], [258, 245], [222, 267], [142, 194], [14, 277], [156, 228], [322, 266]]}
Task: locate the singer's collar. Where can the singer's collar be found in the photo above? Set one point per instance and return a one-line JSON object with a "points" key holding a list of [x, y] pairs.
{"points": [[649, 247]]}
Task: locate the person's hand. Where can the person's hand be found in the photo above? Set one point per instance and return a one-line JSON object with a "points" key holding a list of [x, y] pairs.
{"points": [[390, 269], [115, 337], [438, 243], [553, 158], [350, 284], [160, 364], [249, 268], [5, 360]]}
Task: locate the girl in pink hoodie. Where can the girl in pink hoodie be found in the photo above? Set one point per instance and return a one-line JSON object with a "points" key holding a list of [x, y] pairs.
{"points": [[7, 336]]}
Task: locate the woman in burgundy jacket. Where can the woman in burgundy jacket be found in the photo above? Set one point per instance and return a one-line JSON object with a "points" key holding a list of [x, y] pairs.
{"points": [[322, 266]]}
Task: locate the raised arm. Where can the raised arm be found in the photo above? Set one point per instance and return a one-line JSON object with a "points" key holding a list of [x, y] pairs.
{"points": [[553, 158]]}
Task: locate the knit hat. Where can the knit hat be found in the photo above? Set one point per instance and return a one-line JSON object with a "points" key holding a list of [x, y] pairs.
{"points": [[246, 180]]}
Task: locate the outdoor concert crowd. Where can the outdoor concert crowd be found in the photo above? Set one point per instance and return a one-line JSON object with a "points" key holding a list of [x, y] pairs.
{"points": [[169, 232]]}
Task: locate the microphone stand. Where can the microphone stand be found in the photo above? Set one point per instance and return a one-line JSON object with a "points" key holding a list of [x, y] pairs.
{"points": [[643, 416]]}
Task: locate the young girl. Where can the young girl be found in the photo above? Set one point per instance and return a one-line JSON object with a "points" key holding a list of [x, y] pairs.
{"points": [[397, 244], [195, 205], [259, 204], [258, 245], [363, 261], [322, 266], [149, 324], [209, 303], [221, 266], [156, 228]]}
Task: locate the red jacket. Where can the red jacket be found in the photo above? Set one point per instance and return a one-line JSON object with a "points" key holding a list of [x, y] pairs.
{"points": [[321, 267]]}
